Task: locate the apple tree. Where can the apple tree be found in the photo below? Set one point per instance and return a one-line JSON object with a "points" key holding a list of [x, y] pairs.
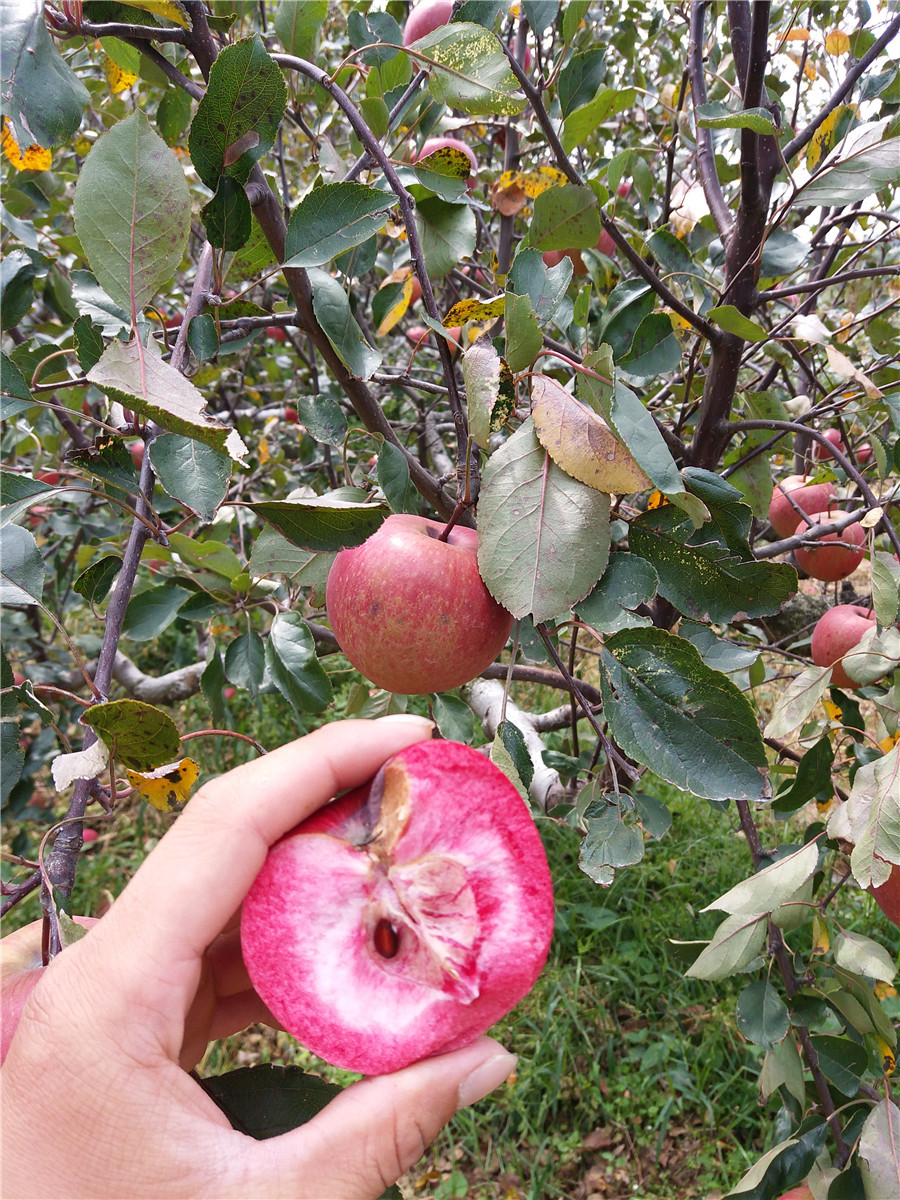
{"points": [[651, 271]]}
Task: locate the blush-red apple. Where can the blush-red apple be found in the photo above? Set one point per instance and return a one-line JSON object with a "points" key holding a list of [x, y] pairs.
{"points": [[411, 612], [605, 245], [136, 450], [836, 633], [405, 918], [425, 17], [833, 436], [887, 896], [809, 497], [834, 556]]}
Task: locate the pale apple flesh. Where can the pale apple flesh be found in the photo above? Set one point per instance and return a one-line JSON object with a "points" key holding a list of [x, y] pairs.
{"points": [[407, 917], [411, 612]]}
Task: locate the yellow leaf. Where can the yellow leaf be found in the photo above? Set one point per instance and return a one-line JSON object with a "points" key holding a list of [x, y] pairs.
{"points": [[118, 80], [474, 310], [656, 500], [167, 787], [264, 454], [580, 441], [823, 139], [796, 35], [510, 192], [168, 9], [82, 146], [393, 315], [821, 936], [883, 990], [832, 710], [837, 43], [888, 1061], [33, 158]]}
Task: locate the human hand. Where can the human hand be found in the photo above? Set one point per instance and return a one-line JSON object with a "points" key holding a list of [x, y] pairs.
{"points": [[96, 1098]]}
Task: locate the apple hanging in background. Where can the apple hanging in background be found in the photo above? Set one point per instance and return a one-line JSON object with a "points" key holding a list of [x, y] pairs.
{"points": [[834, 556], [425, 17], [811, 498], [834, 437], [411, 612], [136, 450], [605, 245], [836, 633], [887, 896], [405, 918]]}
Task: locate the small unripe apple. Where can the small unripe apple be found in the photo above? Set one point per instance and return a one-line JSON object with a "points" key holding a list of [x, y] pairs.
{"points": [[136, 450], [450, 143], [834, 437], [836, 633], [811, 498], [291, 414], [405, 918], [834, 556], [411, 612], [21, 969], [229, 693], [425, 17]]}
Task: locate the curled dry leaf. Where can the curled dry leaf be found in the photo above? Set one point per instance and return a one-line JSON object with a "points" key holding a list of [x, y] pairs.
{"points": [[580, 442]]}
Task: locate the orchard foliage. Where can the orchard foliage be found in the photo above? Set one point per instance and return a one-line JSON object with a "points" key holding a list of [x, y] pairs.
{"points": [[218, 235]]}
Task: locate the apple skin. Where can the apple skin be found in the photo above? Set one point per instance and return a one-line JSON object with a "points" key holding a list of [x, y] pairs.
{"points": [[20, 972], [451, 143], [834, 437], [136, 450], [824, 559], [405, 918], [412, 613], [49, 477], [797, 1193], [417, 334], [811, 497], [605, 245], [276, 333], [837, 632], [425, 17], [887, 896]]}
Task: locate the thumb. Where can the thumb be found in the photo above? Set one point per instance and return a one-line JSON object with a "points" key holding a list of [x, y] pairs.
{"points": [[374, 1131]]}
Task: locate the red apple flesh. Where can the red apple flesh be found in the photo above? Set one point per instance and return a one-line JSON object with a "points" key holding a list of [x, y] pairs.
{"points": [[834, 556], [811, 498], [425, 17], [20, 972], [411, 612], [405, 918], [836, 633]]}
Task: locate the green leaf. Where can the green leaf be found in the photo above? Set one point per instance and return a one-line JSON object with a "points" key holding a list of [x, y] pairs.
{"points": [[211, 555], [132, 211], [298, 25], [394, 480], [582, 123], [878, 1152], [543, 553], [21, 566], [701, 576], [564, 218], [333, 312], [609, 843], [246, 95], [841, 1061], [173, 115], [857, 953], [454, 718], [544, 286], [94, 582], [322, 524], [323, 418], [88, 343], [762, 1015], [17, 273], [110, 461], [735, 945], [293, 665], [654, 348], [203, 339], [524, 337], [813, 778], [39, 89], [468, 70], [797, 701], [92, 302], [16, 396], [774, 885], [150, 612], [718, 653], [580, 79], [447, 234], [140, 736], [514, 741], [689, 724], [191, 472], [245, 660], [227, 217], [856, 177], [138, 378], [727, 317], [628, 305], [332, 219], [719, 116], [212, 684]]}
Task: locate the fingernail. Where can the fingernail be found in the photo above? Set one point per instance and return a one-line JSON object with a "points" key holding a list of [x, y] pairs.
{"points": [[484, 1079], [410, 719]]}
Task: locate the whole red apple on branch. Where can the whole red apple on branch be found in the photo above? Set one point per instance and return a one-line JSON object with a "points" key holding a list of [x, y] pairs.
{"points": [[836, 633], [411, 612], [834, 556], [808, 496], [405, 918]]}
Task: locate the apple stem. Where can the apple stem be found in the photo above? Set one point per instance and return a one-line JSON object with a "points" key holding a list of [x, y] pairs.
{"points": [[455, 516]]}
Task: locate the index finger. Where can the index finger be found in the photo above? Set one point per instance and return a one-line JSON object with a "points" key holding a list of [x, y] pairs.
{"points": [[198, 875]]}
